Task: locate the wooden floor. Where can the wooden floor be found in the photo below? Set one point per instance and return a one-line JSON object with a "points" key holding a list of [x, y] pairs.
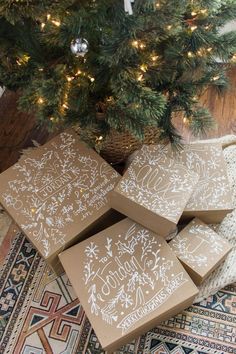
{"points": [[17, 130]]}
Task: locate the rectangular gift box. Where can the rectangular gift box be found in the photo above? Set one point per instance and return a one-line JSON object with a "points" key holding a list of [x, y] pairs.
{"points": [[199, 249], [127, 280], [154, 190], [57, 194], [211, 199]]}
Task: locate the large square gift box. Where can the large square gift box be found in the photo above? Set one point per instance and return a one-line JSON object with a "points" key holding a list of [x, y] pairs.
{"points": [[58, 194], [154, 190], [211, 199], [200, 249], [127, 280]]}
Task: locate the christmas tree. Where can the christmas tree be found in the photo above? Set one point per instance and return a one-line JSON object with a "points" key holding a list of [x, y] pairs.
{"points": [[115, 64]]}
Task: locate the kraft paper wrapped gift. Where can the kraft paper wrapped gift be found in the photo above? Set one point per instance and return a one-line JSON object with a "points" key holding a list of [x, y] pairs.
{"points": [[154, 190], [212, 197], [199, 249], [127, 280], [58, 194]]}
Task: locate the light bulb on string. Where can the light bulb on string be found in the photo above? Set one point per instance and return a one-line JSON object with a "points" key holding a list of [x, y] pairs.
{"points": [[144, 67], [56, 22], [40, 100], [140, 77], [193, 28], [135, 44], [154, 57]]}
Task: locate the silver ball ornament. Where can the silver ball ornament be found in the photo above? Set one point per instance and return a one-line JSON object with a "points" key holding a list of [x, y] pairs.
{"points": [[79, 47]]}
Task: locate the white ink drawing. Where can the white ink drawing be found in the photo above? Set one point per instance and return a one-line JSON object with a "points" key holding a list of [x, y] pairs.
{"points": [[212, 190], [63, 185], [192, 249], [157, 182], [122, 276]]}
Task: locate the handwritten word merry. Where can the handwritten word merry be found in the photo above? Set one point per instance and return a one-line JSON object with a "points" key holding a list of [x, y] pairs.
{"points": [[156, 301]]}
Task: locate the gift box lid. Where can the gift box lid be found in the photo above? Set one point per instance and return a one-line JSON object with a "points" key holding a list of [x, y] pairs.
{"points": [[127, 280], [212, 192], [200, 249], [154, 185], [56, 191]]}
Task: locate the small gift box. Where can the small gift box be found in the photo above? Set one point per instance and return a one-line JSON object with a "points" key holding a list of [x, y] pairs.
{"points": [[211, 199], [127, 280], [154, 190], [57, 194], [199, 249]]}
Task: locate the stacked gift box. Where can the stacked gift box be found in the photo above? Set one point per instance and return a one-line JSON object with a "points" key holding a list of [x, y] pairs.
{"points": [[109, 232]]}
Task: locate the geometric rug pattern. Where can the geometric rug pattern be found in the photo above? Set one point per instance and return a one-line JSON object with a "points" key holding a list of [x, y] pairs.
{"points": [[40, 314]]}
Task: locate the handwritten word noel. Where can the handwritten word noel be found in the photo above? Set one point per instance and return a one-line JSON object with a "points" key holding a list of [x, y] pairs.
{"points": [[128, 6]]}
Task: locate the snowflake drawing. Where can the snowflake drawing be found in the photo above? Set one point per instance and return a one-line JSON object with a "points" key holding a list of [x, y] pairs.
{"points": [[59, 222], [52, 208], [46, 179], [92, 250]]}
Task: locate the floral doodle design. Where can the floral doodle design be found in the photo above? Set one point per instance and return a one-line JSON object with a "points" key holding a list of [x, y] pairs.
{"points": [[158, 182], [56, 187], [212, 191], [193, 250], [120, 280]]}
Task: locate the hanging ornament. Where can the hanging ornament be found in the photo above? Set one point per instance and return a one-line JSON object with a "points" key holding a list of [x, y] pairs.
{"points": [[79, 47], [128, 6]]}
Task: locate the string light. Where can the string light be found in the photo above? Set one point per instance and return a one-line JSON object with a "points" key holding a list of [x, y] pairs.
{"points": [[140, 77], [154, 57], [185, 120], [23, 60], [138, 44], [69, 78], [48, 16], [143, 67], [203, 11], [193, 28], [209, 49], [40, 100], [158, 5], [52, 119], [135, 44], [190, 54], [200, 52], [43, 25], [215, 78], [169, 27], [65, 106], [33, 210], [91, 79], [233, 58], [78, 72], [56, 23], [193, 13], [40, 69]]}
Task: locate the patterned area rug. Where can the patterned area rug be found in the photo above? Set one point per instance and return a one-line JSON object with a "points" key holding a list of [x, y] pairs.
{"points": [[41, 315]]}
